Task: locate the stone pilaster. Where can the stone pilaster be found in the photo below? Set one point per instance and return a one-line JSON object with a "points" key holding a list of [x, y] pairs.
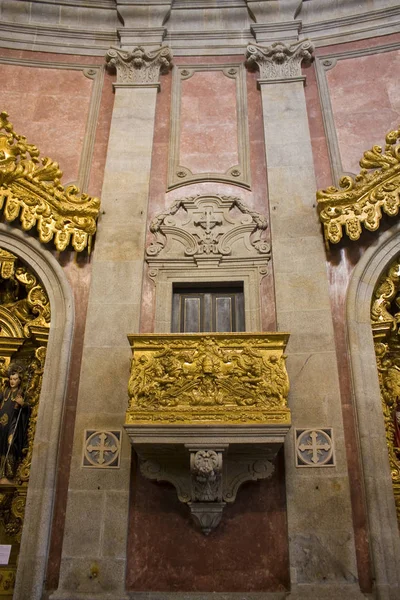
{"points": [[94, 548], [321, 540]]}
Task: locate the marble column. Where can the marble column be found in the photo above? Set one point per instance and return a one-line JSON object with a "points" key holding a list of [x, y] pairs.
{"points": [[321, 540], [94, 547]]}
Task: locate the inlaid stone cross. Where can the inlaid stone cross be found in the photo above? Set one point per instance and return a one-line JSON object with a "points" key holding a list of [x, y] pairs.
{"points": [[314, 447]]}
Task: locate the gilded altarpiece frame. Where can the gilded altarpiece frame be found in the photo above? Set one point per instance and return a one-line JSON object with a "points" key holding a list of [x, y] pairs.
{"points": [[24, 331], [385, 318], [238, 174]]}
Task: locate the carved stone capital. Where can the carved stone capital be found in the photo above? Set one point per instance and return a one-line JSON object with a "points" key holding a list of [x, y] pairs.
{"points": [[279, 62], [139, 67]]}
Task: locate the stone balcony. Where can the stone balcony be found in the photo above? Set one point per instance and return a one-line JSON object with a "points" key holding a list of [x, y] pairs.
{"points": [[208, 412]]}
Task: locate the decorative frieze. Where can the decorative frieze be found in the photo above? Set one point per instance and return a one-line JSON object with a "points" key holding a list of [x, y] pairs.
{"points": [[314, 447], [279, 62], [139, 67]]}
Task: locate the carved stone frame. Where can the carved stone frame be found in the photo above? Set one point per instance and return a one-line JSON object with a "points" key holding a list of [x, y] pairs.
{"points": [[240, 272]]}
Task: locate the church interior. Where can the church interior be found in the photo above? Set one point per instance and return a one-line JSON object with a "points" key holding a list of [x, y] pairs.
{"points": [[199, 299]]}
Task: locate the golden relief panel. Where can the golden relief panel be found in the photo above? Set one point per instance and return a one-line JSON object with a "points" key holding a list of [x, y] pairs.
{"points": [[361, 200], [208, 379], [30, 189], [385, 317]]}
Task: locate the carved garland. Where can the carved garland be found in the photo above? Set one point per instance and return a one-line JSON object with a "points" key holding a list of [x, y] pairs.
{"points": [[360, 200], [385, 317], [30, 189]]}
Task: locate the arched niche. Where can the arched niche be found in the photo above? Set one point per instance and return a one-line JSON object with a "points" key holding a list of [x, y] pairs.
{"points": [[42, 482], [384, 534]]}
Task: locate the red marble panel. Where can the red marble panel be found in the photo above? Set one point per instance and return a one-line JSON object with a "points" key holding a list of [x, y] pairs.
{"points": [[208, 123], [168, 553], [365, 103], [50, 107]]}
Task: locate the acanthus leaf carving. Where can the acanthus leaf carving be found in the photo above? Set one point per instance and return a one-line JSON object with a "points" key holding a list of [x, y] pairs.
{"points": [[280, 61], [139, 66]]}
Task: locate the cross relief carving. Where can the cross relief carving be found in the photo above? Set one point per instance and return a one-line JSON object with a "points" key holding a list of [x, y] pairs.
{"points": [[204, 225]]}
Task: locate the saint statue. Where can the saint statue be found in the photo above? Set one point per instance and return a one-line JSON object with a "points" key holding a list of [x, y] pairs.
{"points": [[14, 417]]}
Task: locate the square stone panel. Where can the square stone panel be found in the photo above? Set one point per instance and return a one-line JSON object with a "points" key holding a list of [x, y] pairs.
{"points": [[101, 449], [314, 447]]}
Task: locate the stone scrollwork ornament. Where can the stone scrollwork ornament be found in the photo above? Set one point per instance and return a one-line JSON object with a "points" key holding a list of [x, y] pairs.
{"points": [[206, 226], [359, 201], [139, 66], [279, 61], [30, 189]]}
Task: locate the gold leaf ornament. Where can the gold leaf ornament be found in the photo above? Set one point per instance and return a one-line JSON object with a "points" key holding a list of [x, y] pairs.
{"points": [[359, 201], [30, 189]]}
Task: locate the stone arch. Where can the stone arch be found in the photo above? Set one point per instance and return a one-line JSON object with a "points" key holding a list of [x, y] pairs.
{"points": [[41, 491], [384, 535]]}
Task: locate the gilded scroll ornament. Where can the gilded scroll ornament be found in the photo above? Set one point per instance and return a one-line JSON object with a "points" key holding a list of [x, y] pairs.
{"points": [[385, 326], [208, 379], [361, 200], [30, 190]]}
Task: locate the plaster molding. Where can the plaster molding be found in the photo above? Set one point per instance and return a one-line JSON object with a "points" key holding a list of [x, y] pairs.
{"points": [[238, 174], [270, 32], [322, 65], [139, 66], [280, 61]]}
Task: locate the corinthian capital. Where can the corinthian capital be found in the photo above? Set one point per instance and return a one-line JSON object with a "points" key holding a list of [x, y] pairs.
{"points": [[280, 61], [139, 67]]}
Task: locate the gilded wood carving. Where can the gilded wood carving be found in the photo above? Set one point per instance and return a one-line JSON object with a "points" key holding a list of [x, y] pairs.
{"points": [[24, 329], [30, 190], [385, 317], [216, 378], [361, 200]]}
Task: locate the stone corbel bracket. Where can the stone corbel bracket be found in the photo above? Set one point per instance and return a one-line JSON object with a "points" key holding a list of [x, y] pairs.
{"points": [[139, 67], [361, 199], [30, 189], [280, 62], [208, 412]]}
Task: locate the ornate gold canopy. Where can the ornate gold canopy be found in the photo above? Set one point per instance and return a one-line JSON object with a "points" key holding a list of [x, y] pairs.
{"points": [[30, 189], [360, 200]]}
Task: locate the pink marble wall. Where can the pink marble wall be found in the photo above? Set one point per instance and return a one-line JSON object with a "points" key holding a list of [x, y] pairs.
{"points": [[50, 107], [208, 119], [365, 101]]}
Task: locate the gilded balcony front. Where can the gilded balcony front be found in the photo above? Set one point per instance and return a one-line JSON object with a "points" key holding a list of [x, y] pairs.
{"points": [[208, 379]]}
